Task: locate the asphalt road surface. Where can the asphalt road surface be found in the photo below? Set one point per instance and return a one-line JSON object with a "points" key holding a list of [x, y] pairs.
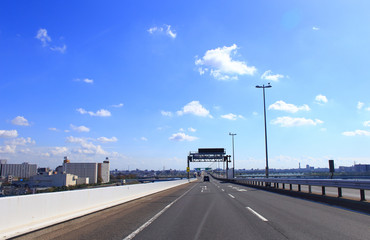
{"points": [[214, 210]]}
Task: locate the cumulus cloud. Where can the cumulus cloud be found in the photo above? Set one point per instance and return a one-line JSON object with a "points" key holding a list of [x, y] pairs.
{"points": [[79, 128], [179, 137], [194, 108], [283, 106], [42, 35], [85, 146], [272, 77], [99, 113], [163, 30], [295, 122], [219, 63], [315, 28], [367, 124], [167, 114], [321, 99], [20, 141], [8, 133], [53, 129], [143, 139], [360, 105], [232, 116], [57, 151], [105, 139], [190, 129], [7, 149], [20, 121], [118, 105], [356, 133], [61, 49]]}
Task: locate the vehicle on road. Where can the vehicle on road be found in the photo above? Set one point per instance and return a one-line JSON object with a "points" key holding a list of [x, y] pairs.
{"points": [[206, 179]]}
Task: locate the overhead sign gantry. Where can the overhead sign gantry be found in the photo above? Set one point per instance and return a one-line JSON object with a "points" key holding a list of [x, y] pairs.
{"points": [[209, 155]]}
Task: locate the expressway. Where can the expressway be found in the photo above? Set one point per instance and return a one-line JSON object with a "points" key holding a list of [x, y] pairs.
{"points": [[214, 210]]}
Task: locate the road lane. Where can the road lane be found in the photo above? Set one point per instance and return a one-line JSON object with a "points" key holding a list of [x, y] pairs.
{"points": [[209, 214], [302, 219]]}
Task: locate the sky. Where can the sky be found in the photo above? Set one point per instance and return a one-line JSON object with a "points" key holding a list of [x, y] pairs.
{"points": [[146, 82]]}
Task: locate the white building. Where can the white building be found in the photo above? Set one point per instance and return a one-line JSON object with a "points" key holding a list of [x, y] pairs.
{"points": [[53, 180], [23, 170], [93, 171]]}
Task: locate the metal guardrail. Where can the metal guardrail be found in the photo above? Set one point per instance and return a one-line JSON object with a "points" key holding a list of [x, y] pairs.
{"points": [[362, 185]]}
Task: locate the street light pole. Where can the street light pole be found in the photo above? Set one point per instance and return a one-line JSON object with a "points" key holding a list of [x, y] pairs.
{"points": [[232, 137], [264, 114]]}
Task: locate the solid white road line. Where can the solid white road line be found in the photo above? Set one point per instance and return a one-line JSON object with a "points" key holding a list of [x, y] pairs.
{"points": [[231, 195], [257, 214], [133, 234]]}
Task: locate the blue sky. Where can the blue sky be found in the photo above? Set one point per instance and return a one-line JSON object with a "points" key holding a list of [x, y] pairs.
{"points": [[145, 82]]}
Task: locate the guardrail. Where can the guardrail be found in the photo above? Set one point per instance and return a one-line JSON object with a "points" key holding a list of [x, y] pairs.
{"points": [[22, 214], [361, 185]]}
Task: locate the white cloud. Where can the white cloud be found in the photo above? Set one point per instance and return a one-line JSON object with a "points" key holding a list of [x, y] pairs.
{"points": [[86, 80], [143, 139], [167, 30], [272, 77], [79, 128], [194, 108], [295, 122], [59, 49], [315, 28], [367, 124], [179, 137], [53, 129], [42, 35], [86, 147], [58, 151], [8, 133], [7, 149], [20, 121], [221, 65], [231, 116], [181, 130], [99, 113], [356, 133], [20, 141], [321, 99], [360, 105], [282, 106], [104, 139], [167, 114], [118, 105], [190, 129]]}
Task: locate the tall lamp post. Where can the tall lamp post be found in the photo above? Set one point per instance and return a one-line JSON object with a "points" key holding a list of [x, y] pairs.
{"points": [[232, 136], [264, 114]]}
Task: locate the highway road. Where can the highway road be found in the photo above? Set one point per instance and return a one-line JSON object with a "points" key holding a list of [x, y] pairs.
{"points": [[215, 210]]}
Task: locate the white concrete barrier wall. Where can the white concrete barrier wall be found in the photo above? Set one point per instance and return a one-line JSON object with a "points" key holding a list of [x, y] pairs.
{"points": [[22, 214]]}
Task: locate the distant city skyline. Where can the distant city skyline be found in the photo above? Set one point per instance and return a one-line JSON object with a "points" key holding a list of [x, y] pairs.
{"points": [[144, 83]]}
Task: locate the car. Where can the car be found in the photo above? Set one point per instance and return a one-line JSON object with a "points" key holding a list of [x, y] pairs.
{"points": [[205, 179]]}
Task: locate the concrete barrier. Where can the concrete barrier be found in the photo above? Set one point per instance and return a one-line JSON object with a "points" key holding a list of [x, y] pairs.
{"points": [[22, 214]]}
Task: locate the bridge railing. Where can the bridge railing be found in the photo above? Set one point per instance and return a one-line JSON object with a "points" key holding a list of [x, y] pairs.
{"points": [[287, 184]]}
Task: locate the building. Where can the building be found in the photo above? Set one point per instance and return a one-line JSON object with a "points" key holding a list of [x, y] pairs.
{"points": [[93, 171], [103, 171], [23, 170], [53, 180]]}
